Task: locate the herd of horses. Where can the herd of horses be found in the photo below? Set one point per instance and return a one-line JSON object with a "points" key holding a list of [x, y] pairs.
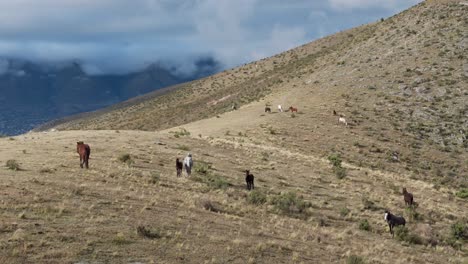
{"points": [[341, 119], [84, 152]]}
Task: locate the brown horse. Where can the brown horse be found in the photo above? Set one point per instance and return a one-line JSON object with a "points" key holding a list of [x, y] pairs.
{"points": [[292, 109], [84, 150]]}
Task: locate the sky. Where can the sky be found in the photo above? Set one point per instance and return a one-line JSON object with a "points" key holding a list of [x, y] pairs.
{"points": [[120, 36]]}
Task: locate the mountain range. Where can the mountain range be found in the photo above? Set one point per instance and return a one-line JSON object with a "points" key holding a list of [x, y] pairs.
{"points": [[32, 93]]}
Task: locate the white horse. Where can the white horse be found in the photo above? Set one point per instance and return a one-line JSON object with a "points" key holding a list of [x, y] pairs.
{"points": [[342, 120], [280, 108]]}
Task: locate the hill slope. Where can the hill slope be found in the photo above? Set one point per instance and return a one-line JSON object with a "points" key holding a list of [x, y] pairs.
{"points": [[401, 83]]}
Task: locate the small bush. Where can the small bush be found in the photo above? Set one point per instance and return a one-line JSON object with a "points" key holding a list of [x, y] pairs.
{"points": [[126, 158], [182, 132], [183, 147], [353, 259], [335, 160], [257, 197], [290, 204], [211, 206], [402, 234], [202, 167], [463, 193], [120, 239], [364, 225], [340, 172], [344, 211], [13, 165], [154, 178], [413, 215], [459, 231], [216, 182], [146, 232], [369, 205]]}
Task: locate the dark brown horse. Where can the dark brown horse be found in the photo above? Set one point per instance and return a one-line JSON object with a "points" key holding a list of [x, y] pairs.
{"points": [[408, 197], [249, 179], [84, 150], [293, 109]]}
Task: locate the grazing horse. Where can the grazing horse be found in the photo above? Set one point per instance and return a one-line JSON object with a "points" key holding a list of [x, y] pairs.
{"points": [[393, 221], [280, 108], [408, 197], [84, 150], [342, 120], [267, 109], [179, 167], [292, 109], [249, 179], [188, 164]]}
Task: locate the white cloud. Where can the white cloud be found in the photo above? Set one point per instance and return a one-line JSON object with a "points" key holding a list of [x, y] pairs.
{"points": [[368, 4], [122, 35]]}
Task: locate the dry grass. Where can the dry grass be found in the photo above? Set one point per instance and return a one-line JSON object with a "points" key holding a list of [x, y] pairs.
{"points": [[400, 87]]}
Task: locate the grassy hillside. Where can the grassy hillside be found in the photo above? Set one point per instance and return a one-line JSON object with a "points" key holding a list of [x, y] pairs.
{"points": [[401, 83], [130, 207], [402, 86]]}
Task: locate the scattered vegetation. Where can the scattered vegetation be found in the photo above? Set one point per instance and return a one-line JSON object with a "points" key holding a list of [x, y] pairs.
{"points": [[126, 158], [344, 211], [364, 225], [181, 133], [257, 197], [463, 193], [147, 232], [13, 165], [402, 234], [290, 204], [336, 161], [353, 259]]}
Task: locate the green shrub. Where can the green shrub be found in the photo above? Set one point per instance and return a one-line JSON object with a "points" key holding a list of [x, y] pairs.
{"points": [[369, 205], [290, 204], [459, 231], [335, 160], [216, 181], [353, 259], [463, 193], [413, 215], [202, 167], [344, 211], [13, 165], [340, 172], [182, 132], [126, 158], [256, 197], [364, 225], [146, 232], [402, 234], [154, 178]]}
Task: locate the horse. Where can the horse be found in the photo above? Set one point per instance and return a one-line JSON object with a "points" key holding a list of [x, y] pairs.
{"points": [[179, 167], [393, 221], [408, 197], [188, 164], [342, 120], [292, 109], [280, 108], [267, 109], [249, 179], [84, 150]]}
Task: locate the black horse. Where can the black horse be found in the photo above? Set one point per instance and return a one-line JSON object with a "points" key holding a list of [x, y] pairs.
{"points": [[267, 109], [393, 220], [249, 179]]}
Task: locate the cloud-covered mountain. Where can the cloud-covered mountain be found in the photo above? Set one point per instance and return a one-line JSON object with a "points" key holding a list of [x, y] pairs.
{"points": [[32, 93]]}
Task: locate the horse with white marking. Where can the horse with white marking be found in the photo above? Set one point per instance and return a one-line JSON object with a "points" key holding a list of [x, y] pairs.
{"points": [[393, 220]]}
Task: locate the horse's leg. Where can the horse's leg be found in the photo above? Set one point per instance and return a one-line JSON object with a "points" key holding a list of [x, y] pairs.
{"points": [[86, 163], [81, 162], [253, 186]]}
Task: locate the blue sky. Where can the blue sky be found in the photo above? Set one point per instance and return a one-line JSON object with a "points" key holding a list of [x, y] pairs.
{"points": [[126, 35]]}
